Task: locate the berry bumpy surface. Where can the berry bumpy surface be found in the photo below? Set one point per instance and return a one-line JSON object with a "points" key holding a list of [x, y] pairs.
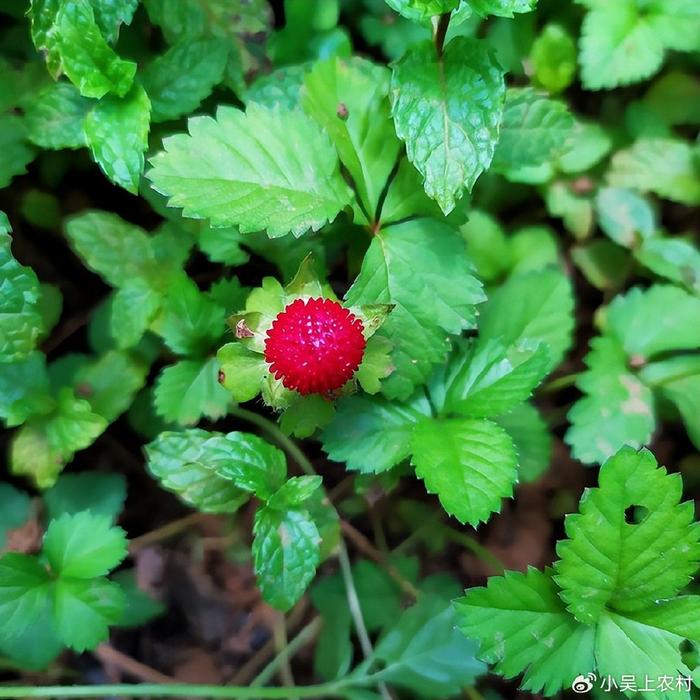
{"points": [[314, 346]]}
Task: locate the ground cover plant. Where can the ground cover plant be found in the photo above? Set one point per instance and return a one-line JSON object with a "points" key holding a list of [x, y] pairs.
{"points": [[349, 348]]}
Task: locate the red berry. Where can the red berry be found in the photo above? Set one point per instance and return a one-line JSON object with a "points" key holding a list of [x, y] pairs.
{"points": [[314, 346]]}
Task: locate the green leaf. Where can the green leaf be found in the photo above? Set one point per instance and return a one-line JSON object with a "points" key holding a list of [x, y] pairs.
{"points": [[54, 119], [20, 320], [448, 112], [191, 323], [84, 545], [84, 609], [613, 561], [243, 371], [85, 56], [24, 389], [190, 389], [491, 379], [617, 408], [532, 440], [24, 593], [372, 435], [223, 245], [286, 554], [17, 153], [523, 627], [349, 99], [430, 302], [294, 492], [501, 8], [470, 464], [625, 216], [103, 494], [535, 306], [110, 15], [588, 144], [14, 510], [575, 211], [675, 259], [487, 244], [418, 10], [667, 167], [675, 98], [183, 464], [116, 250], [641, 321], [425, 653], [183, 76], [116, 130], [553, 57], [42, 14], [110, 383], [44, 444], [133, 309], [618, 46], [676, 22], [262, 169], [535, 130], [306, 414], [251, 463]]}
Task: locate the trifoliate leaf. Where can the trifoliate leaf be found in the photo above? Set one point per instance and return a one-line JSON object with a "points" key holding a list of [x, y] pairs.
{"points": [[675, 259], [85, 57], [54, 119], [617, 409], [84, 609], [553, 57], [372, 435], [20, 320], [349, 99], [190, 389], [262, 169], [182, 463], [523, 627], [667, 167], [612, 560], [535, 306], [183, 76], [470, 464], [116, 130], [641, 321], [491, 379], [101, 493], [531, 438], [84, 545], [447, 110], [535, 130], [430, 301], [286, 554], [424, 652], [618, 46], [625, 216], [191, 323]]}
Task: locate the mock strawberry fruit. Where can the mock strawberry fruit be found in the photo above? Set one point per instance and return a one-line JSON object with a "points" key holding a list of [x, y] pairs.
{"points": [[314, 346]]}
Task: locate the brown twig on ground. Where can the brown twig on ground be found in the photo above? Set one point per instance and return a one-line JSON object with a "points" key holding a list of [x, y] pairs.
{"points": [[109, 656]]}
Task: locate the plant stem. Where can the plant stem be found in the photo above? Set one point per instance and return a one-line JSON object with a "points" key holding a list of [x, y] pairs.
{"points": [[561, 382], [271, 428], [478, 549], [305, 636], [440, 31], [176, 690]]}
